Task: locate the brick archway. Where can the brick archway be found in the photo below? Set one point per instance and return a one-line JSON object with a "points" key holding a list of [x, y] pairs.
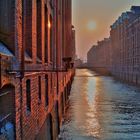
{"points": [[7, 112], [47, 130], [50, 127], [62, 103]]}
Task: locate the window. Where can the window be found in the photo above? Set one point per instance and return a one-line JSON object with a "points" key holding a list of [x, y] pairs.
{"points": [[39, 88], [39, 35], [28, 26], [46, 35], [46, 91], [7, 112], [28, 95], [7, 23]]}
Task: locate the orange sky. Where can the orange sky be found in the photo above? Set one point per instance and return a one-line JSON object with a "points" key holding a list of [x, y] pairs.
{"points": [[102, 13]]}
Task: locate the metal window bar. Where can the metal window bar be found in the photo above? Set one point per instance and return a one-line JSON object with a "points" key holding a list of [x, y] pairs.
{"points": [[4, 93]]}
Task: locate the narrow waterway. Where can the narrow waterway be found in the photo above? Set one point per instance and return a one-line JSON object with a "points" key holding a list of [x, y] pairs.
{"points": [[101, 108]]}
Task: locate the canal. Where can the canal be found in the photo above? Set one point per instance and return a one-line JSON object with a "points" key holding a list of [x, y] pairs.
{"points": [[101, 108]]}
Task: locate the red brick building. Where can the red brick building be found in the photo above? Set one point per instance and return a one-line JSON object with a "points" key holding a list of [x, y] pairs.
{"points": [[99, 56], [35, 36], [123, 51], [125, 46]]}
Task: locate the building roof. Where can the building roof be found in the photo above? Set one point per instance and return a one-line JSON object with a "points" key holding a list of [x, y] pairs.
{"points": [[135, 9]]}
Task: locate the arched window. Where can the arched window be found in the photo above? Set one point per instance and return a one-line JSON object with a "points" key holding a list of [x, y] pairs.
{"points": [[7, 23], [51, 81], [28, 95], [39, 88], [46, 91]]}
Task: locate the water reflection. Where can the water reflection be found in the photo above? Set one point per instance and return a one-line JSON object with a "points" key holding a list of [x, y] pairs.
{"points": [[101, 108]]}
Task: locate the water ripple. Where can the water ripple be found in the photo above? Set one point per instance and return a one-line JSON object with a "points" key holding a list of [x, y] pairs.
{"points": [[101, 109]]}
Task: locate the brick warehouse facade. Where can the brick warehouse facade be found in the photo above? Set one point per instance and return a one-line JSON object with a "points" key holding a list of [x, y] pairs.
{"points": [[124, 51], [36, 49], [99, 58]]}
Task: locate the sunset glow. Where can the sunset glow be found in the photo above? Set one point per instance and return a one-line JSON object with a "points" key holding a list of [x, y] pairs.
{"points": [[91, 25], [92, 20]]}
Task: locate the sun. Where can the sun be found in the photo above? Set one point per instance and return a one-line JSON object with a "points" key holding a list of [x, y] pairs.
{"points": [[91, 25]]}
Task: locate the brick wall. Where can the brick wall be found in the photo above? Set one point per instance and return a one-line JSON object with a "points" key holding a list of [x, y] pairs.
{"points": [[19, 32]]}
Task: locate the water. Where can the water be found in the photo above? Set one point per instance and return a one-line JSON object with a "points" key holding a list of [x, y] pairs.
{"points": [[101, 108]]}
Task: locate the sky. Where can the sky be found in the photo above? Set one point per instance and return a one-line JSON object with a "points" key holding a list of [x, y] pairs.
{"points": [[92, 20]]}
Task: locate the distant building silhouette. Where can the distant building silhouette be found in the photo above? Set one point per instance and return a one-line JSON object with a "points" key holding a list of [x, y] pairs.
{"points": [[99, 56], [122, 55]]}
